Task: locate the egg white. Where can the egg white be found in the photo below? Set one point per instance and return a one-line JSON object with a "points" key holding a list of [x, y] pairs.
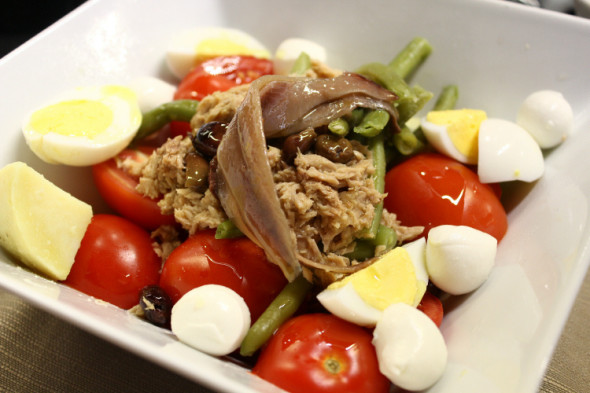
{"points": [[152, 92], [507, 152], [290, 49], [80, 150], [183, 52]]}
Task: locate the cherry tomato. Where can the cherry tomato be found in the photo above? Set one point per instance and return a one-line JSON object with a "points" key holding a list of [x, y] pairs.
{"points": [[237, 263], [432, 306], [431, 190], [115, 261], [117, 188], [220, 74], [321, 353], [178, 127]]}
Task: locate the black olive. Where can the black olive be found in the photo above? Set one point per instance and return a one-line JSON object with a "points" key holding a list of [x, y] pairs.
{"points": [[197, 171], [156, 305], [302, 142], [334, 148], [208, 138]]}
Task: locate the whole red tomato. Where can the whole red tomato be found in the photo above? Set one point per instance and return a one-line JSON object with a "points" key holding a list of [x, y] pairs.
{"points": [[115, 261], [117, 188], [321, 353], [431, 190], [237, 263], [220, 74]]}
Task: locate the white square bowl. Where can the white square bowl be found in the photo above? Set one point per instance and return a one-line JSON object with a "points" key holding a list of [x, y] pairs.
{"points": [[501, 337]]}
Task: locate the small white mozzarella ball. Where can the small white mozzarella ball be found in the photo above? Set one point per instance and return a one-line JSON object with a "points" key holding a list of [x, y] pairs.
{"points": [[507, 152], [212, 318], [152, 92], [411, 350], [84, 126], [547, 116], [191, 47], [289, 50], [459, 258]]}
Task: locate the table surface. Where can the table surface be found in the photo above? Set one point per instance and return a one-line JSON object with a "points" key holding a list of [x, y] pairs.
{"points": [[42, 353]]}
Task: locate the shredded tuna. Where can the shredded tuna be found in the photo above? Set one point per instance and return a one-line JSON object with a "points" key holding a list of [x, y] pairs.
{"points": [[219, 106], [165, 239]]}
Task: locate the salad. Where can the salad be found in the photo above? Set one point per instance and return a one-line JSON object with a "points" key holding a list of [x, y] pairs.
{"points": [[266, 200]]}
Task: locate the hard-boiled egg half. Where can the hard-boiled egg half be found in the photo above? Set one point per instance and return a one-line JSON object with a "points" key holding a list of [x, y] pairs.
{"points": [[191, 47], [151, 92], [397, 276], [84, 126], [454, 132], [290, 49]]}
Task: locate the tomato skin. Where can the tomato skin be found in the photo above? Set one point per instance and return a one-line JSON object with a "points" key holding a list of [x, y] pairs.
{"points": [[118, 190], [221, 74], [432, 307], [321, 353], [237, 263], [431, 189], [115, 261]]}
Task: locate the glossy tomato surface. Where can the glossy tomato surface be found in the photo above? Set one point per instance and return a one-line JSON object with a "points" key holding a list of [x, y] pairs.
{"points": [[432, 307], [221, 74], [237, 263], [431, 190], [320, 353], [115, 261], [117, 188]]}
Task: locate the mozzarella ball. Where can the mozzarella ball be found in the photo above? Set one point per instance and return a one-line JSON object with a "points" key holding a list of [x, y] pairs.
{"points": [[411, 350], [361, 297], [151, 92], [454, 132], [547, 116], [211, 318], [191, 47], [459, 258], [84, 126], [507, 152], [289, 50]]}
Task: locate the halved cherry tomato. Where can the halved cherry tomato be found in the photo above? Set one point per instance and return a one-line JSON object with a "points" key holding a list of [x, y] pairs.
{"points": [[432, 306], [117, 187], [237, 263], [320, 353], [431, 190], [178, 127], [115, 261], [221, 74]]}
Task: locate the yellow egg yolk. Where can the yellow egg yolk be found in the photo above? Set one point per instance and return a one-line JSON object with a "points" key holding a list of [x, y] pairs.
{"points": [[226, 47], [462, 128], [73, 118], [392, 279]]}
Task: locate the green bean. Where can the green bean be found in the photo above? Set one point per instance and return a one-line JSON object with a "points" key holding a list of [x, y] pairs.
{"points": [[385, 237], [152, 121], [386, 76], [356, 116], [373, 123], [227, 230], [411, 57], [406, 142], [282, 308], [364, 249], [447, 98], [301, 65], [408, 107], [339, 127]]}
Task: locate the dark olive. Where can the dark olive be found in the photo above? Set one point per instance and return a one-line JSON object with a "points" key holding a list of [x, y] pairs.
{"points": [[208, 138], [334, 148], [197, 171], [156, 305], [302, 141]]}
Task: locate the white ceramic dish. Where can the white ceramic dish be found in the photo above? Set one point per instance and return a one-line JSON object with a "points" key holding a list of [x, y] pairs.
{"points": [[501, 337]]}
